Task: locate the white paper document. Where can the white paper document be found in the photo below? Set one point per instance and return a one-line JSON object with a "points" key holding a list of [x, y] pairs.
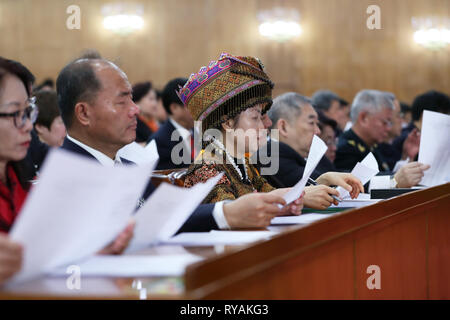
{"points": [[435, 148], [138, 154], [166, 211], [364, 171], [355, 203], [316, 152], [76, 209], [216, 237], [301, 219], [132, 266]]}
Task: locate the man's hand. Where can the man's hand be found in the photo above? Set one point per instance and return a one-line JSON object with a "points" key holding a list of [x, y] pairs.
{"points": [[319, 197], [346, 180], [294, 207], [410, 174], [11, 254], [411, 145], [253, 210], [121, 242]]}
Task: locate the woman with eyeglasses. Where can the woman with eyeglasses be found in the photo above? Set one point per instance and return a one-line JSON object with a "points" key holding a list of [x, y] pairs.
{"points": [[17, 113]]}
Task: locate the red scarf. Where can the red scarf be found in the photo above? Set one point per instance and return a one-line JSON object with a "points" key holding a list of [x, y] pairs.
{"points": [[12, 198]]}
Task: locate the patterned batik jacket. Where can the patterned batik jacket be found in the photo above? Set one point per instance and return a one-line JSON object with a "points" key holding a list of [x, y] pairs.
{"points": [[230, 186]]}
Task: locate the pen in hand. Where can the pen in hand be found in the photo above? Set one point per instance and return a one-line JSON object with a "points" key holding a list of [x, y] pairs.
{"points": [[314, 183]]}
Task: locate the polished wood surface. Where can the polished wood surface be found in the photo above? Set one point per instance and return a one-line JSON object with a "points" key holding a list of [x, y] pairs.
{"points": [[408, 237], [336, 50]]}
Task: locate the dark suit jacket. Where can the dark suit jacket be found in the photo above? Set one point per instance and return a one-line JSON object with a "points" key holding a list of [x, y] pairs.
{"points": [[36, 153], [201, 220], [165, 145], [290, 168]]}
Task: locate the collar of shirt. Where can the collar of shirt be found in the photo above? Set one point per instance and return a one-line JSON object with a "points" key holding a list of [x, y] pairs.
{"points": [[101, 157], [185, 133]]}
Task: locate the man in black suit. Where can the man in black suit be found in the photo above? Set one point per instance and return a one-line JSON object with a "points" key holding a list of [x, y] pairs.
{"points": [[94, 96], [297, 122], [174, 137]]}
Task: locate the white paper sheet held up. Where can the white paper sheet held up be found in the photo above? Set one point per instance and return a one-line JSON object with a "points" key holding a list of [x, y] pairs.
{"points": [[132, 266], [435, 148], [215, 237], [301, 219], [138, 154], [166, 211], [76, 209], [316, 152], [364, 171]]}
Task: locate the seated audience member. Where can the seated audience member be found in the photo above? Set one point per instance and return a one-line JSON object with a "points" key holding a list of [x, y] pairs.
{"points": [[296, 121], [176, 131], [327, 128], [11, 256], [330, 104], [159, 112], [406, 114], [391, 154], [144, 96], [431, 100], [49, 125], [48, 131], [237, 123], [46, 85], [371, 115], [17, 114], [96, 106]]}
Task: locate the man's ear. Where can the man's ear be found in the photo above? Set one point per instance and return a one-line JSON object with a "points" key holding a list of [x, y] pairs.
{"points": [[363, 118], [40, 129], [282, 127], [82, 113]]}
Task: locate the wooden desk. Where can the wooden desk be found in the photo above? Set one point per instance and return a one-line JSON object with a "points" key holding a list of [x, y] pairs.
{"points": [[407, 237]]}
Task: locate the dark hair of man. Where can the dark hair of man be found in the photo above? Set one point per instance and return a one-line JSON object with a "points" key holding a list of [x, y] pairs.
{"points": [[325, 121], [76, 83], [47, 102], [404, 107], [23, 167], [140, 90], [431, 100], [322, 99], [169, 93]]}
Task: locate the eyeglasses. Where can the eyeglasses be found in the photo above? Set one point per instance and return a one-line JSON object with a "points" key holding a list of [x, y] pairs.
{"points": [[21, 116]]}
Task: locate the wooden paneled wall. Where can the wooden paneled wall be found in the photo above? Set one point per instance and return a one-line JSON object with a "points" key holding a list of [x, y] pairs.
{"points": [[335, 51]]}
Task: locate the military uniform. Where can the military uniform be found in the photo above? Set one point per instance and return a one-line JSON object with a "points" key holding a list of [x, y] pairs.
{"points": [[352, 149]]}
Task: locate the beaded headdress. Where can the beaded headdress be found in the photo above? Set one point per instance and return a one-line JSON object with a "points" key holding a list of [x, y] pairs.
{"points": [[226, 87]]}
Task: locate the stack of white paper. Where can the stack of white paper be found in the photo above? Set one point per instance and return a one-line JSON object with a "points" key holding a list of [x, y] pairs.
{"points": [[219, 238], [435, 148], [132, 266], [316, 152], [76, 209], [301, 219], [166, 211], [138, 154], [364, 171]]}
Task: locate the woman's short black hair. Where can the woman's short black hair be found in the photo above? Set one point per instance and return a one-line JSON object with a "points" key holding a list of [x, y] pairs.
{"points": [[47, 102], [140, 90], [169, 93]]}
